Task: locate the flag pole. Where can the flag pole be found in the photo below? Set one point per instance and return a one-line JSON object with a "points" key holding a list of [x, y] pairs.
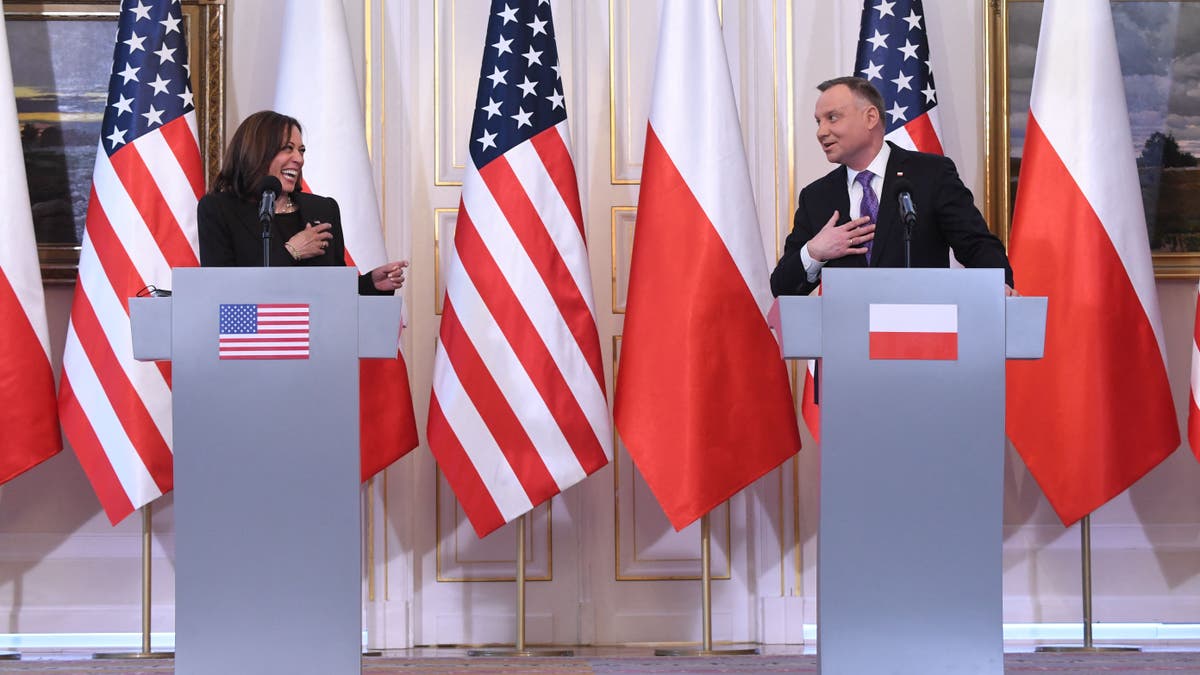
{"points": [[706, 645], [368, 490], [145, 653], [520, 648], [1085, 544]]}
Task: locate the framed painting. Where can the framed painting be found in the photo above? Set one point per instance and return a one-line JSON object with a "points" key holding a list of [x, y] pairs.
{"points": [[61, 54], [1158, 43]]}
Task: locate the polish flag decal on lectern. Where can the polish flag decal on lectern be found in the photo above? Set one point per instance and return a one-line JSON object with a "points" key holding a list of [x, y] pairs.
{"points": [[914, 332]]}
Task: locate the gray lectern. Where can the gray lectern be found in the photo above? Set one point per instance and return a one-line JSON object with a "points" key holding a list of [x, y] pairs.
{"points": [[912, 444], [267, 502]]}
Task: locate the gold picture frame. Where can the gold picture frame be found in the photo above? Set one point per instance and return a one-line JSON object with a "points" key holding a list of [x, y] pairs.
{"points": [[204, 23], [999, 174]]}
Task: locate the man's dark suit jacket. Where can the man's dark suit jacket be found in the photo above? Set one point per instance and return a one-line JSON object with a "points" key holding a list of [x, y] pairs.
{"points": [[946, 219], [231, 235]]}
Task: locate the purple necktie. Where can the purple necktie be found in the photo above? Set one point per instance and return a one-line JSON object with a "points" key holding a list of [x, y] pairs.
{"points": [[870, 203]]}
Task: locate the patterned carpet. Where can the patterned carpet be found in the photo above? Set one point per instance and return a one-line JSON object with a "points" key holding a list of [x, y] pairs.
{"points": [[1152, 663]]}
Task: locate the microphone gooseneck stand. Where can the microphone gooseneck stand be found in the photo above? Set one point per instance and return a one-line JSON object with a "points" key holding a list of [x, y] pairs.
{"points": [[266, 216], [269, 187], [908, 232]]}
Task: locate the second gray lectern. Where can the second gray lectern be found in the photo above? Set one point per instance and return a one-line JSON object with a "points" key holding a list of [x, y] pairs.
{"points": [[266, 432], [911, 393]]}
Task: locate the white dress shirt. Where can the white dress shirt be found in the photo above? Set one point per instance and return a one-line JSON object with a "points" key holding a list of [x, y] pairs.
{"points": [[877, 166]]}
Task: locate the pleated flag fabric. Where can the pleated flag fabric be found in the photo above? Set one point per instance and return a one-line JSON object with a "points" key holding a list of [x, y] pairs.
{"points": [[1194, 395], [141, 223], [28, 419], [703, 402], [316, 85], [1095, 414], [518, 411]]}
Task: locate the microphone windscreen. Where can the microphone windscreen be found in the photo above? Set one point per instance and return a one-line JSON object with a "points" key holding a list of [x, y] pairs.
{"points": [[268, 184], [903, 185]]}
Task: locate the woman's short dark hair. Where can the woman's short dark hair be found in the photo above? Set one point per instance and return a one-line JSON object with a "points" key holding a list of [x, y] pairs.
{"points": [[860, 87], [248, 158]]}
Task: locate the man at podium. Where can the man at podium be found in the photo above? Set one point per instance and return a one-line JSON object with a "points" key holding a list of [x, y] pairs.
{"points": [[853, 216], [306, 228]]}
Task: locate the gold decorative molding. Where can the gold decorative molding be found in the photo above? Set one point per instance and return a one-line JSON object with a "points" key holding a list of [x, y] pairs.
{"points": [[212, 128], [439, 285], [439, 87], [543, 510], [995, 129], [617, 566], [620, 261], [614, 179], [370, 536]]}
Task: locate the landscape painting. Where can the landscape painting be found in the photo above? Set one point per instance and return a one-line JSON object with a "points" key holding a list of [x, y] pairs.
{"points": [[1158, 44]]}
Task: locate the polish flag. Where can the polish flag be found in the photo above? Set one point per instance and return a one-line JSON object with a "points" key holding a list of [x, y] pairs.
{"points": [[1095, 414], [809, 409], [316, 57], [28, 417], [1194, 408], [914, 332], [702, 401]]}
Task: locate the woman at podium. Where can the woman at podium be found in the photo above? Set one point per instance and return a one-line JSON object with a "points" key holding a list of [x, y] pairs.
{"points": [[261, 179]]}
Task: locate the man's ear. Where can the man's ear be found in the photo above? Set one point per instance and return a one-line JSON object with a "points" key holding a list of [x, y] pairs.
{"points": [[873, 116]]}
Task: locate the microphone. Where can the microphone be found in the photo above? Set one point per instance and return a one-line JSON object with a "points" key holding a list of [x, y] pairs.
{"points": [[908, 212], [908, 216], [269, 187]]}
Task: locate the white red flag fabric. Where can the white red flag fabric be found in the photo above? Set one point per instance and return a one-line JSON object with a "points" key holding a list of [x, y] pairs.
{"points": [[703, 402], [809, 408], [141, 223], [316, 85], [518, 411], [1095, 414], [893, 54], [913, 332], [28, 419], [1194, 407]]}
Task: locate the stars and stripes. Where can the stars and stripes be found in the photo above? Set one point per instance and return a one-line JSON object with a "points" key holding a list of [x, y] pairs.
{"points": [[518, 411], [154, 87], [141, 222], [28, 423], [893, 54], [263, 331]]}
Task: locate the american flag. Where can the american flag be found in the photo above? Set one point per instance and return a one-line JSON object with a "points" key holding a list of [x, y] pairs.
{"points": [[141, 222], [518, 411], [893, 54], [263, 331]]}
